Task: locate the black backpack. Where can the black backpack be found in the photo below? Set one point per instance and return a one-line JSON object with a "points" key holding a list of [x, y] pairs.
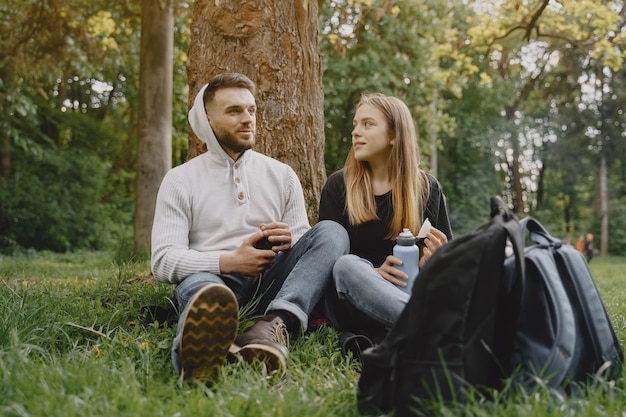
{"points": [[456, 328], [477, 317], [576, 341]]}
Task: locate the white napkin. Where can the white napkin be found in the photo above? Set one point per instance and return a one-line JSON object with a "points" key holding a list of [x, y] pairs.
{"points": [[425, 229]]}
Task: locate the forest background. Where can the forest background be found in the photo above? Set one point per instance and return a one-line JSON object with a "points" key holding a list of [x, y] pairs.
{"points": [[522, 99]]}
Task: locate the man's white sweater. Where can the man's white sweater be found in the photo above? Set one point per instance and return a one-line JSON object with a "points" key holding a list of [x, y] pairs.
{"points": [[210, 204]]}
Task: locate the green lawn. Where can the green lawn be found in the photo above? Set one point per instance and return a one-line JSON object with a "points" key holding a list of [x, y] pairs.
{"points": [[72, 343]]}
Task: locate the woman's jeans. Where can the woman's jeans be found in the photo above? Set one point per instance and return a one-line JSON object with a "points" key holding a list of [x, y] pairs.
{"points": [[364, 302], [294, 283]]}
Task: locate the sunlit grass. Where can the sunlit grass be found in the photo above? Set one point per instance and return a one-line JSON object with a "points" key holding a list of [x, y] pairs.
{"points": [[40, 266], [72, 343]]}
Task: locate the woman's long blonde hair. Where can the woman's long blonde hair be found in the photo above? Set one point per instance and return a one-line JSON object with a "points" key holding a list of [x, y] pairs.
{"points": [[409, 183]]}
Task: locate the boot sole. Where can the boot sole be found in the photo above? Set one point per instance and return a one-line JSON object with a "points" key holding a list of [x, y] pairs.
{"points": [[209, 329], [271, 357]]}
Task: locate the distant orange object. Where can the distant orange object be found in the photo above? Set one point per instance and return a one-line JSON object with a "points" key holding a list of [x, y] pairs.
{"points": [[580, 245]]}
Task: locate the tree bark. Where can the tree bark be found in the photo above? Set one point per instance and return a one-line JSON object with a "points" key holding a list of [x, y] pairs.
{"points": [[5, 156], [518, 202], [434, 158], [516, 177], [275, 43], [604, 207], [154, 141]]}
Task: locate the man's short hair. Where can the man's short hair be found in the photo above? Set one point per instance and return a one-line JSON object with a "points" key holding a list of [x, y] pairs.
{"points": [[227, 80]]}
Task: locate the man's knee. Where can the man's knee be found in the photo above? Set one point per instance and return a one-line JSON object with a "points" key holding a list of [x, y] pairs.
{"points": [[334, 233], [194, 283]]}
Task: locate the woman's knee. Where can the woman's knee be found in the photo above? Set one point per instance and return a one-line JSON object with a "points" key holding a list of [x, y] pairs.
{"points": [[346, 270]]}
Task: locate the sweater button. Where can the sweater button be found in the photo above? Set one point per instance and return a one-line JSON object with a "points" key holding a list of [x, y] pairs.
{"points": [[240, 196]]}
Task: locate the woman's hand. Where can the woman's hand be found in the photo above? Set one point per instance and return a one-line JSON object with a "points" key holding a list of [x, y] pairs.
{"points": [[392, 274], [433, 241]]}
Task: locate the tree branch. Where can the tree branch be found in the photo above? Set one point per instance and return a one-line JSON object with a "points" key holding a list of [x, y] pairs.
{"points": [[535, 18]]}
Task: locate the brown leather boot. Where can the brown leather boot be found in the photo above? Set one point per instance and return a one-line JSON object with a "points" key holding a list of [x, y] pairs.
{"points": [[265, 342]]}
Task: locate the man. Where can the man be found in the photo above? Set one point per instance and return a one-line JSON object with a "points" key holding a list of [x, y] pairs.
{"points": [[210, 213]]}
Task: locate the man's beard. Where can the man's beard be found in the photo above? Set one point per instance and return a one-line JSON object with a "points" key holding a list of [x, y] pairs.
{"points": [[226, 139]]}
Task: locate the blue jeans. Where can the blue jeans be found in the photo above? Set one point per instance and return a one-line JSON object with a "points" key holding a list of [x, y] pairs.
{"points": [[362, 296], [295, 282]]}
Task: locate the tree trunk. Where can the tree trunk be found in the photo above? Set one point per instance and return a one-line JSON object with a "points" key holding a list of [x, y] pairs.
{"points": [[518, 201], [516, 175], [275, 43], [434, 159], [5, 156], [154, 141], [604, 208]]}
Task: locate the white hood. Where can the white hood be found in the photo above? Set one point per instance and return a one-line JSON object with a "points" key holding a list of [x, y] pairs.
{"points": [[236, 171], [201, 127]]}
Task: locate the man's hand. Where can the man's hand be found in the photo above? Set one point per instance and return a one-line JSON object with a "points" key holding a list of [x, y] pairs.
{"points": [[249, 261], [278, 234]]}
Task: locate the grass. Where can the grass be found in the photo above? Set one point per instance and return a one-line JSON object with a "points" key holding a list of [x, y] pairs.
{"points": [[72, 343]]}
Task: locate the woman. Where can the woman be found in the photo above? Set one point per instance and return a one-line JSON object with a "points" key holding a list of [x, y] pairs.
{"points": [[380, 191]]}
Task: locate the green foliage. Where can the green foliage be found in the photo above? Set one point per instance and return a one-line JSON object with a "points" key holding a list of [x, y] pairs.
{"points": [[60, 196], [54, 205], [69, 97], [567, 23], [71, 179], [476, 79], [617, 225], [467, 161], [412, 50], [393, 48], [182, 35], [72, 343], [564, 107]]}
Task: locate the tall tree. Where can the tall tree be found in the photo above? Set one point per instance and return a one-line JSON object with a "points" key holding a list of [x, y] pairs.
{"points": [[524, 39], [154, 141], [275, 43]]}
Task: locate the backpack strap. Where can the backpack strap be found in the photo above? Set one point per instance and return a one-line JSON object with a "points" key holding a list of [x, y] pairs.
{"points": [[537, 233], [511, 292], [515, 230]]}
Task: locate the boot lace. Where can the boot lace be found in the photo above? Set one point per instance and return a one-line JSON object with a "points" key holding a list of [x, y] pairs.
{"points": [[279, 332]]}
